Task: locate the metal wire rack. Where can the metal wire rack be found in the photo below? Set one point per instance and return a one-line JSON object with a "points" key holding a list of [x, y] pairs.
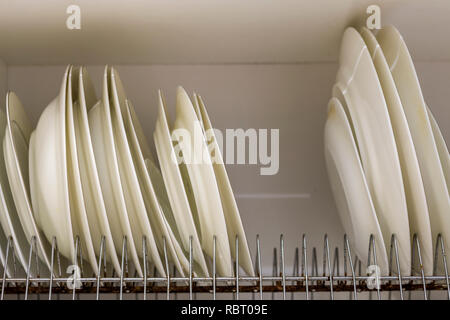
{"points": [[337, 275]]}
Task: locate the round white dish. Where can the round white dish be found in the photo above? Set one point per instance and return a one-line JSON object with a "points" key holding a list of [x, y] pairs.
{"points": [[168, 220], [230, 208], [9, 219], [137, 212], [350, 189], [3, 247], [177, 192], [15, 148], [203, 181], [104, 145], [52, 195], [419, 220], [92, 193], [375, 139], [156, 215], [408, 87], [80, 222]]}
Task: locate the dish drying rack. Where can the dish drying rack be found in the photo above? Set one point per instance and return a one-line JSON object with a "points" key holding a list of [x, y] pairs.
{"points": [[337, 275]]}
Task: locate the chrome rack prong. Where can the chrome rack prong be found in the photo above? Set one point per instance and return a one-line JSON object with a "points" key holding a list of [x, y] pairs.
{"points": [[440, 242], [314, 271], [324, 257], [394, 244], [30, 256], [283, 273], [127, 270], [391, 252], [305, 265], [350, 296], [359, 266], [295, 269], [144, 255], [155, 273], [258, 259], [356, 262], [436, 254], [413, 258], [81, 263], [75, 260], [237, 266], [100, 256], [326, 253], [58, 260], [50, 285], [175, 294], [134, 283], [416, 244], [122, 266], [6, 267], [314, 264], [349, 253], [214, 268], [373, 251], [38, 274], [166, 261], [36, 260], [105, 258], [13, 255], [274, 270], [336, 262], [190, 268]]}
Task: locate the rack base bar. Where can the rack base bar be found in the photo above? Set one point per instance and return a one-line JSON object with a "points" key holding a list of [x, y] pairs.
{"points": [[227, 289]]}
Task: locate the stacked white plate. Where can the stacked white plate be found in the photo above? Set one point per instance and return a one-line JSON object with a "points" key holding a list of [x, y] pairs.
{"points": [[386, 158], [86, 176]]}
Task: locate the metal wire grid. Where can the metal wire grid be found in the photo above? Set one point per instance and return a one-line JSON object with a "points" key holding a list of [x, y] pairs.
{"points": [[303, 279]]}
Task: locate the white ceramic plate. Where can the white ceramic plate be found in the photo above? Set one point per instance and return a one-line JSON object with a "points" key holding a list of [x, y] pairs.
{"points": [[442, 149], [408, 87], [3, 246], [142, 139], [230, 208], [9, 219], [196, 104], [350, 189], [52, 208], [137, 212], [419, 220], [203, 181], [105, 151], [32, 170], [374, 136], [78, 212], [185, 216], [7, 203], [157, 217], [167, 218], [15, 148], [92, 193]]}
